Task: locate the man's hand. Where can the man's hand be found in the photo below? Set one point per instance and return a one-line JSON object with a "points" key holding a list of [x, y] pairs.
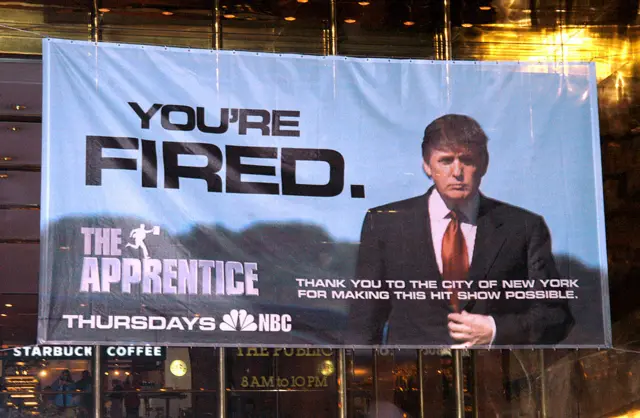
{"points": [[471, 329]]}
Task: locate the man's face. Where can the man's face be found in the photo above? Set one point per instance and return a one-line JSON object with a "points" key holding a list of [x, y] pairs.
{"points": [[456, 173]]}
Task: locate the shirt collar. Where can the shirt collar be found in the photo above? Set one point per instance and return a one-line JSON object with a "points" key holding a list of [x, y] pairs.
{"points": [[439, 210]]}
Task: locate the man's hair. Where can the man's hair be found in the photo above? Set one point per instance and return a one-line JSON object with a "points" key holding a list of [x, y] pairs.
{"points": [[454, 131]]}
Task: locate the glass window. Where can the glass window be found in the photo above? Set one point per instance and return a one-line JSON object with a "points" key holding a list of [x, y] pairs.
{"points": [[24, 24], [390, 28], [284, 26], [180, 384], [182, 24], [361, 382], [40, 387], [282, 383]]}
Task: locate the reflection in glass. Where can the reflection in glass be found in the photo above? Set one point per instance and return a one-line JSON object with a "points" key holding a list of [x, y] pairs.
{"points": [[24, 24], [282, 382], [287, 26], [182, 385], [387, 28]]}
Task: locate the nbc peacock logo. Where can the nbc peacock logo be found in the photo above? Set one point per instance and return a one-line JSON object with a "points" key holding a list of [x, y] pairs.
{"points": [[238, 320]]}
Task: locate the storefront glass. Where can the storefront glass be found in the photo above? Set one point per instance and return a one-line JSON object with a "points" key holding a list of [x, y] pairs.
{"points": [[287, 382], [163, 382], [48, 382]]}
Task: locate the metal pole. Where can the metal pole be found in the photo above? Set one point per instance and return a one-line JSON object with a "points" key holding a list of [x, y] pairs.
{"points": [[448, 50], [474, 376], [217, 26], [96, 30], [459, 382], [543, 385], [342, 383], [222, 384], [421, 381], [97, 382], [333, 29], [375, 383]]}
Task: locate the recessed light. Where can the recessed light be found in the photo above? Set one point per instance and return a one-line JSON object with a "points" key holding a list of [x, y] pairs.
{"points": [[167, 13], [14, 129], [229, 16], [349, 21], [408, 23], [8, 305], [485, 8], [6, 158], [18, 107], [104, 10], [303, 1], [466, 25], [290, 18], [3, 315], [4, 176], [364, 3]]}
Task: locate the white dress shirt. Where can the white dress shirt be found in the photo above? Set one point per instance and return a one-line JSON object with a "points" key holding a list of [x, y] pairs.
{"points": [[439, 219]]}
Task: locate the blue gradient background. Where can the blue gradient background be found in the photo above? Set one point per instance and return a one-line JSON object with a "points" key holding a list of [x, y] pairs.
{"points": [[541, 121]]}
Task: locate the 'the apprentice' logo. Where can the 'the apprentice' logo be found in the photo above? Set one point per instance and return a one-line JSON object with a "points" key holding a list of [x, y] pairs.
{"points": [[105, 268], [232, 159]]}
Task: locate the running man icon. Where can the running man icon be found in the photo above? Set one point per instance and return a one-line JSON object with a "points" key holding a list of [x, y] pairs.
{"points": [[139, 235]]}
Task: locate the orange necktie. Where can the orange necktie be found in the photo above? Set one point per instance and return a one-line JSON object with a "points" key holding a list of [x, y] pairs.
{"points": [[455, 259]]}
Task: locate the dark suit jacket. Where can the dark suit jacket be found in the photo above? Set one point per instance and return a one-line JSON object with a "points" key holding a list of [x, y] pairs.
{"points": [[511, 244]]}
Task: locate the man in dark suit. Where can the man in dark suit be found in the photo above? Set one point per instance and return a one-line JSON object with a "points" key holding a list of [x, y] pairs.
{"points": [[454, 236]]}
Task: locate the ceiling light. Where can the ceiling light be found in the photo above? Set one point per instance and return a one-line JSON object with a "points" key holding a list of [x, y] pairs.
{"points": [[6, 158], [18, 107], [303, 1], [408, 23], [14, 129], [106, 373], [364, 3], [466, 25], [290, 18], [485, 8], [4, 176], [3, 315], [178, 368], [43, 373], [349, 21], [8, 305], [167, 13], [104, 10], [229, 16]]}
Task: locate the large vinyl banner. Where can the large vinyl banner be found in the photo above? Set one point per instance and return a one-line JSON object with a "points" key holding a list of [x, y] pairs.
{"points": [[196, 197]]}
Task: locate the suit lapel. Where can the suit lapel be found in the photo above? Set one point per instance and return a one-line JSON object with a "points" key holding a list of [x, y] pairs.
{"points": [[490, 237], [421, 235]]}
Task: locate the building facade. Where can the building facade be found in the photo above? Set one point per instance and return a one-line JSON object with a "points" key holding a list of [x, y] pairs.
{"points": [[299, 383]]}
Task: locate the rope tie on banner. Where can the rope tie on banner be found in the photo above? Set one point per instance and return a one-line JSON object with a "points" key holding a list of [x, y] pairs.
{"points": [[21, 346], [40, 34], [625, 350]]}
